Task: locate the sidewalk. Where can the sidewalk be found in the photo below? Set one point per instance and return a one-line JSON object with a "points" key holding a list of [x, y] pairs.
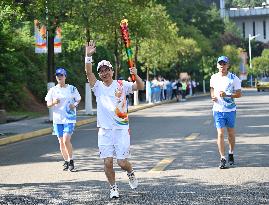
{"points": [[29, 128]]}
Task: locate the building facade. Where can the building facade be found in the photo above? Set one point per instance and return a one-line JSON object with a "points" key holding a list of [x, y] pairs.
{"points": [[253, 21]]}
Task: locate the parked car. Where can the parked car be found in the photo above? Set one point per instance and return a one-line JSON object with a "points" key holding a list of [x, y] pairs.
{"points": [[262, 84]]}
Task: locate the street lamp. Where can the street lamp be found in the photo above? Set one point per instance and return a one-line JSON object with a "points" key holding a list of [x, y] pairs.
{"points": [[249, 50]]}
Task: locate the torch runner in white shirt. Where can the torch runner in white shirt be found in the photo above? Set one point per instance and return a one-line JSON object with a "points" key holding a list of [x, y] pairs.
{"points": [[112, 117]]}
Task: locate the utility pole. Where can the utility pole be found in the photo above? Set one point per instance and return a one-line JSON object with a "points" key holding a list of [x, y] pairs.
{"points": [[50, 54], [249, 50], [222, 8]]}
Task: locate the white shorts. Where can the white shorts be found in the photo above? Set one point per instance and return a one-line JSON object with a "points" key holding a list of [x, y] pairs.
{"points": [[114, 142]]}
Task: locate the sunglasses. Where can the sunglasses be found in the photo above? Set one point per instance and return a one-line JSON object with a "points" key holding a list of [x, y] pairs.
{"points": [[59, 75], [222, 63], [106, 70]]}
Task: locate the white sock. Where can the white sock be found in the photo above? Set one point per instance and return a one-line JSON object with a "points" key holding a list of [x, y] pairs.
{"points": [[114, 185], [130, 172], [231, 152]]}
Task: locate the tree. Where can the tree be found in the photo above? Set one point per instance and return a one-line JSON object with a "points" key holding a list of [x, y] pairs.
{"points": [[261, 64], [51, 14], [243, 3], [159, 41], [208, 66], [230, 27], [198, 22], [105, 28], [233, 54], [11, 72], [195, 13], [189, 54]]}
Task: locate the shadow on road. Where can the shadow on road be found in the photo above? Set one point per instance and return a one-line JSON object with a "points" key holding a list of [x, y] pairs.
{"points": [[168, 190]]}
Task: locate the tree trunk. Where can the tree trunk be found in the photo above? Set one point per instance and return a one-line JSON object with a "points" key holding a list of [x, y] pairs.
{"points": [[88, 34]]}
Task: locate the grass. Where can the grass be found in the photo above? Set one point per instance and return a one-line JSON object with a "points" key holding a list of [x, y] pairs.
{"points": [[25, 113]]}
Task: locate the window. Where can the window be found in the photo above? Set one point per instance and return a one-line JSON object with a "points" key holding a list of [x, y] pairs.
{"points": [[254, 31], [244, 30], [264, 29]]}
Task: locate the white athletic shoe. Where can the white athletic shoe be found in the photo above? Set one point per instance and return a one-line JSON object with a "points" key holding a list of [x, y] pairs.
{"points": [[132, 180], [114, 192]]}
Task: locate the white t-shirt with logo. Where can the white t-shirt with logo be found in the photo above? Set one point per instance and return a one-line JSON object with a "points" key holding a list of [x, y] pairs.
{"points": [[228, 84], [112, 104], [62, 114]]}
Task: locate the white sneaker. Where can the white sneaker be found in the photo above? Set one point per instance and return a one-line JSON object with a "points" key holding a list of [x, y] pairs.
{"points": [[114, 192], [132, 180]]}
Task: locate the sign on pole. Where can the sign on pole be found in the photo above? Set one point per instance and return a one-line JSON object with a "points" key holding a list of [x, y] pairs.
{"points": [[41, 39], [58, 41]]}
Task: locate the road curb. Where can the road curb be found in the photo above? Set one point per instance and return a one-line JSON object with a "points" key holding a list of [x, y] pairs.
{"points": [[86, 121], [46, 131], [24, 136], [38, 133]]}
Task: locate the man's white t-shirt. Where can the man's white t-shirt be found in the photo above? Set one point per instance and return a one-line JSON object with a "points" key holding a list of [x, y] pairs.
{"points": [[228, 84], [112, 104], [62, 114]]}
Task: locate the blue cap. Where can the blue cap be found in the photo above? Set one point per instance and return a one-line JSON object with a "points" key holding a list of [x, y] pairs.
{"points": [[60, 71], [223, 58]]}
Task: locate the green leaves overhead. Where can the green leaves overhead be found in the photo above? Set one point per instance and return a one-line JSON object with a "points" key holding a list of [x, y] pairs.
{"points": [[166, 36], [158, 42]]}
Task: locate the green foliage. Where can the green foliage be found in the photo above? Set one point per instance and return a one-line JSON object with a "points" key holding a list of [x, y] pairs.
{"points": [[233, 54], [10, 78], [189, 55], [19, 67], [260, 64], [208, 65], [230, 27], [167, 37], [158, 46], [243, 3], [195, 13], [204, 26]]}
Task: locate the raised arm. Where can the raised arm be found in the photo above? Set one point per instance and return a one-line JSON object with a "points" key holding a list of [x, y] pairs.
{"points": [[138, 84], [89, 50]]}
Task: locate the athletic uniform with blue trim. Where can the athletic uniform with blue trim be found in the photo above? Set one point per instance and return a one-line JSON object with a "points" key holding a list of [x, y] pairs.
{"points": [[64, 118], [225, 106]]}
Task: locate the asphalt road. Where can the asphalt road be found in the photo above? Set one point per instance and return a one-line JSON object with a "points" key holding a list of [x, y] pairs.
{"points": [[174, 154]]}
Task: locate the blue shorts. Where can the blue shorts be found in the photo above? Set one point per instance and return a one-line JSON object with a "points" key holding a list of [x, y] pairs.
{"points": [[224, 119], [60, 129]]}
